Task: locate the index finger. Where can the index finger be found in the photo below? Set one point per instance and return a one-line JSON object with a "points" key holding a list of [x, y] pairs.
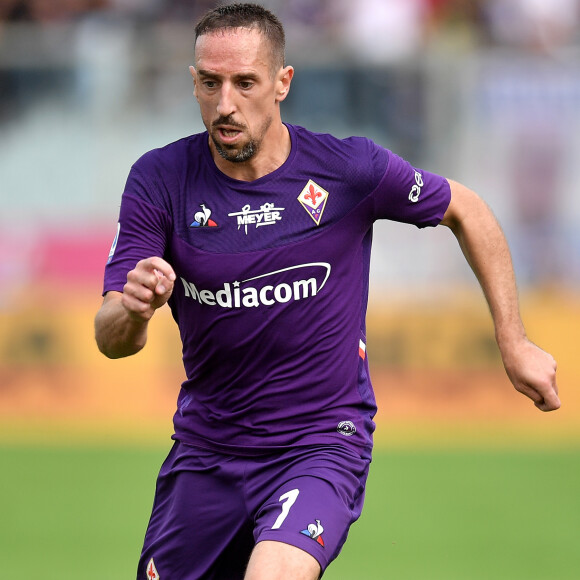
{"points": [[160, 265]]}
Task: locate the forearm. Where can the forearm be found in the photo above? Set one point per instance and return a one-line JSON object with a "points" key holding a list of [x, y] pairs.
{"points": [[121, 323], [117, 333], [531, 370], [486, 250]]}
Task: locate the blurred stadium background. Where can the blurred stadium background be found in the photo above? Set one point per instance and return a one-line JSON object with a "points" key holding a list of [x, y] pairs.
{"points": [[486, 92]]}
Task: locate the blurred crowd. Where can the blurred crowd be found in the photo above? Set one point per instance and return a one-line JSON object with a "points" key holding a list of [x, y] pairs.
{"points": [[362, 70], [380, 29], [48, 46]]}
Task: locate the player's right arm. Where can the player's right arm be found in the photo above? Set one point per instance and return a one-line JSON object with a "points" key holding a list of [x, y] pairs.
{"points": [[121, 322]]}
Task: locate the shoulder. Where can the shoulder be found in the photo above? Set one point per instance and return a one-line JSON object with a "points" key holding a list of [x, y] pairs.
{"points": [[327, 141], [354, 158], [161, 174], [177, 154]]}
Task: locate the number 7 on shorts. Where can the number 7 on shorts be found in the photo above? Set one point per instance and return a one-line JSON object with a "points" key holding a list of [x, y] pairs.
{"points": [[288, 500]]}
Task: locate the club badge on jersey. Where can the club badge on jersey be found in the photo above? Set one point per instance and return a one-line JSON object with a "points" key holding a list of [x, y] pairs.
{"points": [[313, 199]]}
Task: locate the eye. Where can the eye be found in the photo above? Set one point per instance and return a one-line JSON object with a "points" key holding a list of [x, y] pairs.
{"points": [[245, 85]]}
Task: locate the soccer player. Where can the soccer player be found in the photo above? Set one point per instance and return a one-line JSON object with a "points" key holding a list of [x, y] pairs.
{"points": [[258, 236]]}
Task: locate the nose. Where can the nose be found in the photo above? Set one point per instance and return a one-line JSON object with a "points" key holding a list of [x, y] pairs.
{"points": [[225, 105]]}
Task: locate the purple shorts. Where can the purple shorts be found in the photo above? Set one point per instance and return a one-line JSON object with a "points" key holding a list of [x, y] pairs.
{"points": [[211, 509]]}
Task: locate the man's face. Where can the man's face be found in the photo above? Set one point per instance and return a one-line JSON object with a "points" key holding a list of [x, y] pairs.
{"points": [[236, 90]]}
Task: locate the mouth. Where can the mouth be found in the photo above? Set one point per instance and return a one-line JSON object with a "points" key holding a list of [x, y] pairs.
{"points": [[228, 134]]}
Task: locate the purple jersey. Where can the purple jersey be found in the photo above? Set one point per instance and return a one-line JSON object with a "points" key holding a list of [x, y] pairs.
{"points": [[272, 283]]}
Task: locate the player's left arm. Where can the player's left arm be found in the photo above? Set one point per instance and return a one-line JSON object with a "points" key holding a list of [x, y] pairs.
{"points": [[531, 370]]}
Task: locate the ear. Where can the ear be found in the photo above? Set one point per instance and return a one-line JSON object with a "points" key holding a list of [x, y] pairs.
{"points": [[193, 73], [284, 78]]}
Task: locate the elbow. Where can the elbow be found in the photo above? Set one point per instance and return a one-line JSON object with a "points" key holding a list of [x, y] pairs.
{"points": [[105, 348], [108, 352], [115, 337], [115, 350], [464, 206], [118, 351]]}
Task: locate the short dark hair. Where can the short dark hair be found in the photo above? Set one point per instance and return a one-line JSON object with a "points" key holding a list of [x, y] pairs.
{"points": [[246, 16]]}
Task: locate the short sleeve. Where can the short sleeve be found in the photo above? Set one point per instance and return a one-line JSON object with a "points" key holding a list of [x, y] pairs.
{"points": [[142, 232], [410, 195]]}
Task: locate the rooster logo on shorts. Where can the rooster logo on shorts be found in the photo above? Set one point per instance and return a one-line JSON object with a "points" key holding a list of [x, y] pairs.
{"points": [[314, 531]]}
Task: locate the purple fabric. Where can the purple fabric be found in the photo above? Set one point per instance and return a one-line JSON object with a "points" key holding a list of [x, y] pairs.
{"points": [[272, 283], [210, 509]]}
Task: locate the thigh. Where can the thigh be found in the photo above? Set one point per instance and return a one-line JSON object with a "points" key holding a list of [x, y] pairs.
{"points": [[318, 496], [199, 527], [278, 561]]}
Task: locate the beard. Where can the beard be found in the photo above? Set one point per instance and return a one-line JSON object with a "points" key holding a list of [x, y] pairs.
{"points": [[235, 154], [245, 151]]}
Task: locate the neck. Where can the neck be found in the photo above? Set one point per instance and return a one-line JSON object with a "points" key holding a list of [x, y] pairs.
{"points": [[273, 152]]}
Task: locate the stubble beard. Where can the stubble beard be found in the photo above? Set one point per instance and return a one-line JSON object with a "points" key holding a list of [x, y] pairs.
{"points": [[234, 153]]}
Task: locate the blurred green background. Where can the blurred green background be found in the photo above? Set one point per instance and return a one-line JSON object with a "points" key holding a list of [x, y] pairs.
{"points": [[449, 515], [469, 481]]}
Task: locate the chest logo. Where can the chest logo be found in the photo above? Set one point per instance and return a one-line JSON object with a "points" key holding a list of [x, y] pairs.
{"points": [[313, 199], [267, 215], [202, 218]]}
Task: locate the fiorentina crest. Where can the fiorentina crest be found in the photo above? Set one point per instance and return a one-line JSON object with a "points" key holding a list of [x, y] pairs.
{"points": [[152, 573], [313, 199]]}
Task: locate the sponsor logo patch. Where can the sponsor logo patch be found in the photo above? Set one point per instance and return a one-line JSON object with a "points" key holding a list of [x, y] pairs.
{"points": [[114, 244], [314, 531], [416, 189], [267, 215], [279, 287], [202, 218], [313, 199], [346, 428]]}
